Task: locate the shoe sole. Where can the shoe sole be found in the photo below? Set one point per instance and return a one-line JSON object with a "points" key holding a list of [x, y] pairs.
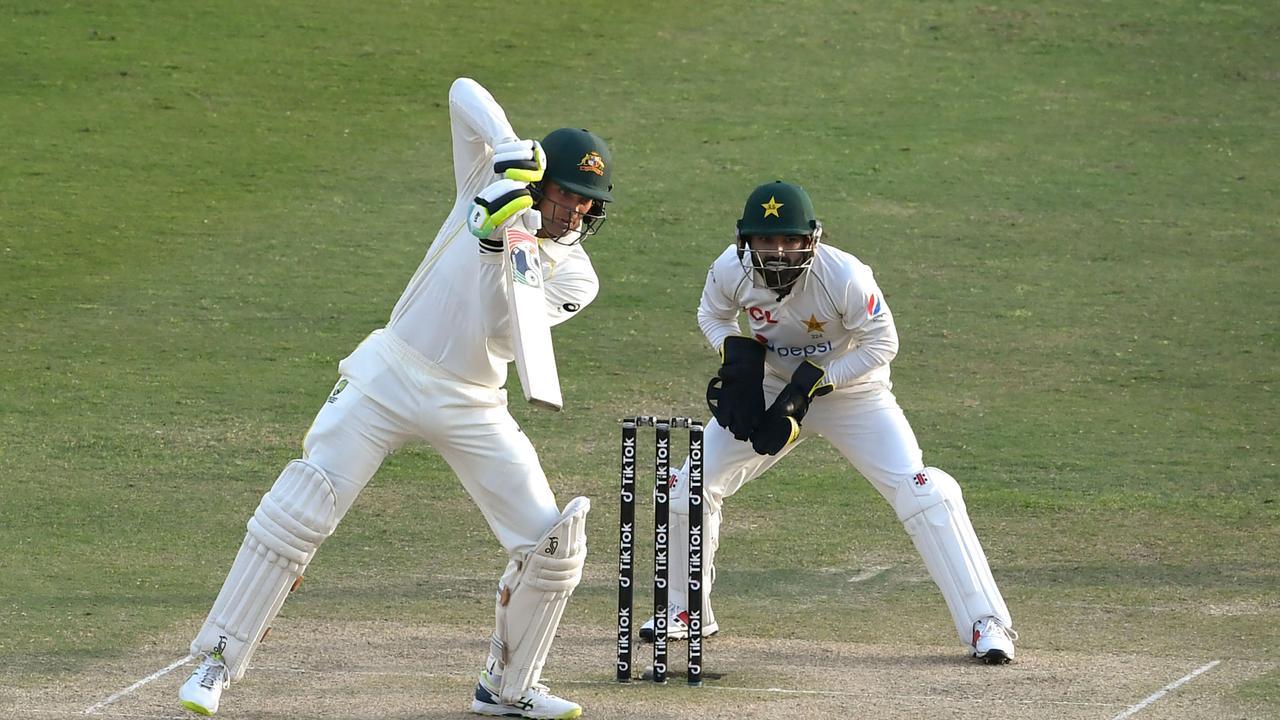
{"points": [[994, 657], [197, 709], [492, 710]]}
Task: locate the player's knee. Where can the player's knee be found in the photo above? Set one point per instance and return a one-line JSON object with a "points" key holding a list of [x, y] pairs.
{"points": [[924, 490], [296, 514]]}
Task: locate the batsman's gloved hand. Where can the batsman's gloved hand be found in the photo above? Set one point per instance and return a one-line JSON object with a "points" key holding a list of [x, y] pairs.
{"points": [[520, 160], [736, 394], [781, 424], [495, 205]]}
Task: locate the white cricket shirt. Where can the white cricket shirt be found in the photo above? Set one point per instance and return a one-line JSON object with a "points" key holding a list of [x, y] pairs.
{"points": [[835, 316], [454, 310]]}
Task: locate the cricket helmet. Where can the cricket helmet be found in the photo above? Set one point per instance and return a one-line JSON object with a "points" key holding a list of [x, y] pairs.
{"points": [[579, 162], [772, 209]]}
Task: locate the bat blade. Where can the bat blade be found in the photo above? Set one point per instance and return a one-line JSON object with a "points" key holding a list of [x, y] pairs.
{"points": [[530, 329]]}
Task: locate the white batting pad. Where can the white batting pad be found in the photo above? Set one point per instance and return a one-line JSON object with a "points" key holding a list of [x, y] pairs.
{"points": [[294, 517], [933, 512], [535, 601], [678, 551]]}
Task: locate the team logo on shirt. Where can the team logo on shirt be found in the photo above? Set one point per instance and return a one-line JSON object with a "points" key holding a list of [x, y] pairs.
{"points": [[814, 325], [592, 163], [873, 306], [333, 396]]}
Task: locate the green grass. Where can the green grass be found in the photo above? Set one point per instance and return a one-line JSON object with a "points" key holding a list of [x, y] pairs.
{"points": [[1070, 208]]}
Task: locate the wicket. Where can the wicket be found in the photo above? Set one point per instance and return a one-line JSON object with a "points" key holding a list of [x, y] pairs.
{"points": [[661, 523]]}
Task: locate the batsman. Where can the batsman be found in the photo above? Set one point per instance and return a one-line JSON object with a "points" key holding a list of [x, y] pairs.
{"points": [[435, 373], [814, 362]]}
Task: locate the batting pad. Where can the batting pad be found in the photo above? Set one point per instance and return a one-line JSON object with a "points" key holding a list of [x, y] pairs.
{"points": [[933, 512], [678, 554], [527, 620], [294, 517]]}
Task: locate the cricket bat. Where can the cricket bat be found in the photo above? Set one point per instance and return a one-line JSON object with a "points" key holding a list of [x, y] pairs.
{"points": [[530, 329]]}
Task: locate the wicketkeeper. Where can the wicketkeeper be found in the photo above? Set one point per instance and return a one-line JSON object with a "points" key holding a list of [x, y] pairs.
{"points": [[815, 362], [436, 373]]}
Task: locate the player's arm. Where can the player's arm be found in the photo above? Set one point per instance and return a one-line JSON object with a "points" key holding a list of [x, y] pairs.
{"points": [[868, 318], [735, 395], [717, 311], [484, 143], [570, 286], [478, 123]]}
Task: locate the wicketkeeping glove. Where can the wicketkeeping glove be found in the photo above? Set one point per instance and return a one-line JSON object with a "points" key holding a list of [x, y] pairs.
{"points": [[781, 424], [521, 160], [736, 394], [497, 204]]}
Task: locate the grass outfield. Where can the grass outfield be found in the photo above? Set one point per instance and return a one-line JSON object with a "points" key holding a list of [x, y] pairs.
{"points": [[1070, 208]]}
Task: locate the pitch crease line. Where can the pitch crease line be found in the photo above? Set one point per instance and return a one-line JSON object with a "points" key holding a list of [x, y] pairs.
{"points": [[157, 674], [845, 693], [1135, 709]]}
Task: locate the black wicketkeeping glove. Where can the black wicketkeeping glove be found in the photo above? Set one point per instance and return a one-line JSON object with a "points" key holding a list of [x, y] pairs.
{"points": [[736, 394], [781, 424]]}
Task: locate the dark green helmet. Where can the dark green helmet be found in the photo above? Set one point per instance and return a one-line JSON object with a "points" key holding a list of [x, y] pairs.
{"points": [[778, 208], [580, 162]]}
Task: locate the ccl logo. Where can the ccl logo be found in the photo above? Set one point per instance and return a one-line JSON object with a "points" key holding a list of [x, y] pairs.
{"points": [[762, 315]]}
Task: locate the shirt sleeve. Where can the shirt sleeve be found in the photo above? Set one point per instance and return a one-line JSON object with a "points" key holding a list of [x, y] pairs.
{"points": [[570, 286], [717, 311], [478, 123], [866, 315]]}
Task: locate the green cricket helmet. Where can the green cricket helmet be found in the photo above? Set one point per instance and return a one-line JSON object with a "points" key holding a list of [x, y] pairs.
{"points": [[579, 162], [774, 209]]}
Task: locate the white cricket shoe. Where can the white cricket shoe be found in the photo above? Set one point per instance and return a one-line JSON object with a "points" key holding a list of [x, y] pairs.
{"points": [[536, 702], [201, 691], [677, 626], [992, 641]]}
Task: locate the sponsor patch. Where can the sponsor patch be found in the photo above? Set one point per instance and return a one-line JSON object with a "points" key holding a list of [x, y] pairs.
{"points": [[525, 267], [873, 306]]}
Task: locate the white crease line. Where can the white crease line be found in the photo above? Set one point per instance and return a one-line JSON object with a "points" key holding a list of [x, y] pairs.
{"points": [[159, 673], [1134, 709], [33, 712], [844, 693]]}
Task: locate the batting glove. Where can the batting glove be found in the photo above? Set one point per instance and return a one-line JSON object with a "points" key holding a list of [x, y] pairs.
{"points": [[781, 424], [497, 204], [521, 160]]}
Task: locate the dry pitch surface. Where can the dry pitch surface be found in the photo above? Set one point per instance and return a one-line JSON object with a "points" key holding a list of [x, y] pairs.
{"points": [[390, 671]]}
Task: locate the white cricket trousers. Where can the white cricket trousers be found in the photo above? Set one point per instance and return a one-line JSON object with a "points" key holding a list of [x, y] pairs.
{"points": [[389, 395]]}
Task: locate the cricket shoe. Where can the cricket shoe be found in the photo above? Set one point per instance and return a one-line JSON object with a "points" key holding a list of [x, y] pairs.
{"points": [[677, 626], [992, 641], [201, 692], [536, 702]]}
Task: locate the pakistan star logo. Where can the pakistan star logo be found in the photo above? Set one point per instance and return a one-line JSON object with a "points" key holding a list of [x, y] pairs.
{"points": [[814, 325], [771, 207]]}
